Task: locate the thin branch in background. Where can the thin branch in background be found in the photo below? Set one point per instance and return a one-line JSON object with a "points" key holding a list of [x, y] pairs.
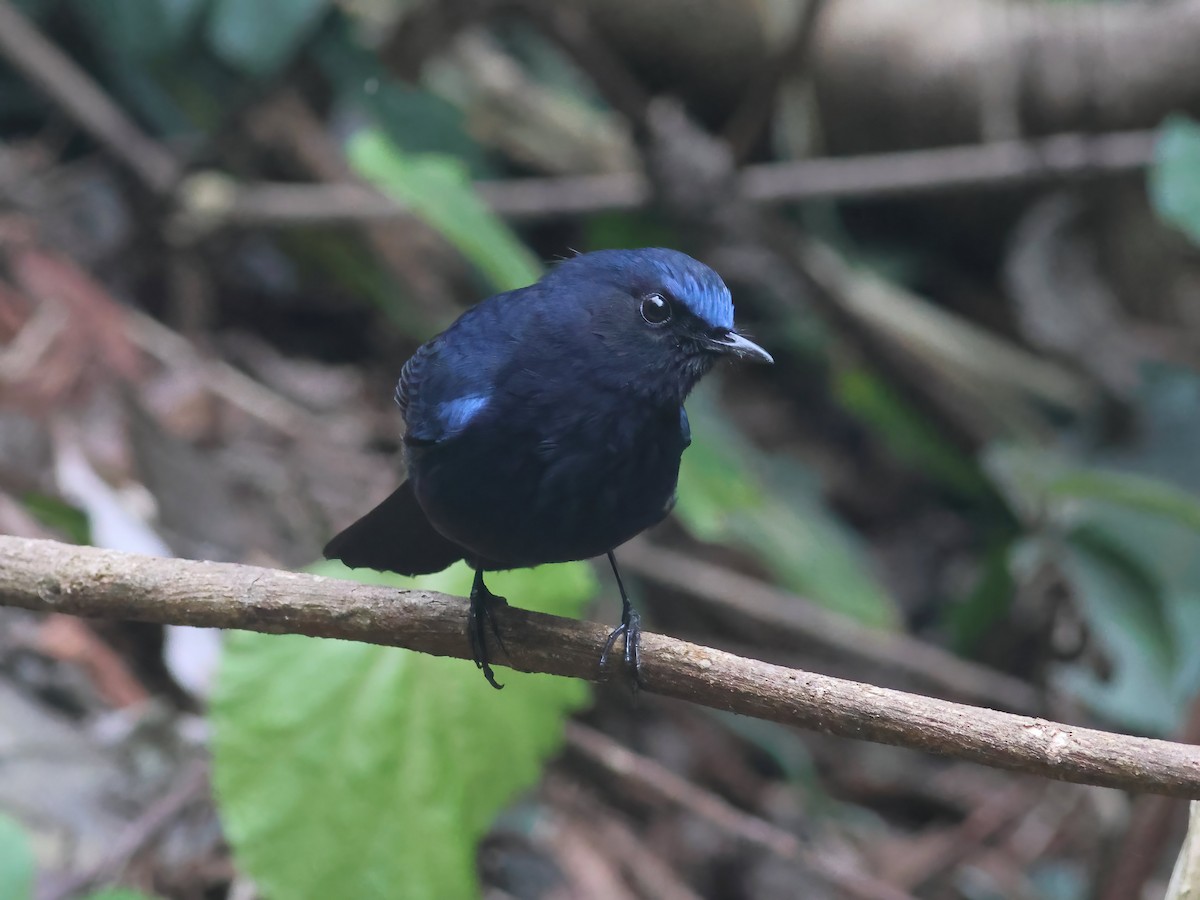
{"points": [[191, 786], [72, 89], [588, 868], [1000, 164], [209, 200], [796, 618], [46, 576], [408, 248], [227, 382], [426, 29], [1151, 822], [567, 24], [644, 869], [751, 116], [956, 846], [645, 776]]}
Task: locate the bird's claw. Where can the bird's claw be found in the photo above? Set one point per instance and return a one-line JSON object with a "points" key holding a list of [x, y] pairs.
{"points": [[631, 629], [481, 609]]}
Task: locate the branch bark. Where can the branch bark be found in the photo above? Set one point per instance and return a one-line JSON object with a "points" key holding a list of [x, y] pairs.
{"points": [[924, 73], [85, 581]]}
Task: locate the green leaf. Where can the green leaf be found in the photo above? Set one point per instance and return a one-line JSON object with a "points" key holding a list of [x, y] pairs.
{"points": [[259, 36], [1138, 492], [904, 432], [971, 621], [60, 516], [1174, 179], [415, 118], [1123, 605], [438, 190], [350, 770], [713, 487], [16, 861], [771, 507]]}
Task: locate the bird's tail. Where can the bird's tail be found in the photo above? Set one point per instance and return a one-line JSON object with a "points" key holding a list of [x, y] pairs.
{"points": [[395, 536]]}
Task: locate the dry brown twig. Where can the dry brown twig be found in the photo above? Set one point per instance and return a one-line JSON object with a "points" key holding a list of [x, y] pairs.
{"points": [[189, 787], [992, 166], [644, 775], [48, 576], [798, 619]]}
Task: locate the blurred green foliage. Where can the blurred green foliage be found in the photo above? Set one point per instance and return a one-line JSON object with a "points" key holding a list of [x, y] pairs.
{"points": [[259, 37], [255, 39], [1134, 492], [438, 189], [1174, 181], [16, 861], [1129, 547], [349, 770], [908, 436], [770, 507], [17, 868], [412, 117], [59, 516]]}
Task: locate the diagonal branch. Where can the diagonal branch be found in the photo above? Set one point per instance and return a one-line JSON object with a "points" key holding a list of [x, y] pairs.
{"points": [[49, 576], [62, 80]]}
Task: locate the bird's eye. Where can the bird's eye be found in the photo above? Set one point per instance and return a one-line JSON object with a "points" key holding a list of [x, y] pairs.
{"points": [[656, 310]]}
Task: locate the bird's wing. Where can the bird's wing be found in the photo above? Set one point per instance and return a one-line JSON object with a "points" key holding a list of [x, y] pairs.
{"points": [[410, 375], [450, 382], [434, 404]]}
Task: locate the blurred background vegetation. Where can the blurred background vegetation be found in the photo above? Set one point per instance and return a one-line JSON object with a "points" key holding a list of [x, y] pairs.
{"points": [[967, 230]]}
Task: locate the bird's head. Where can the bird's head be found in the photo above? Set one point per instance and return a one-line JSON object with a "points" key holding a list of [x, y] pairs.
{"points": [[663, 317]]}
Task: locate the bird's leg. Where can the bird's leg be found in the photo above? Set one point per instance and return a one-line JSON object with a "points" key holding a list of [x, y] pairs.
{"points": [[480, 618], [630, 627]]}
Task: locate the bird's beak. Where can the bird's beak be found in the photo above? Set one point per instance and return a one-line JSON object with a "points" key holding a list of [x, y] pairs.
{"points": [[734, 344]]}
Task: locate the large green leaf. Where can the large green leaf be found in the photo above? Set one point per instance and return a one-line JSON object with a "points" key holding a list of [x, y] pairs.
{"points": [[258, 36], [349, 770], [16, 861], [438, 190], [1174, 181]]}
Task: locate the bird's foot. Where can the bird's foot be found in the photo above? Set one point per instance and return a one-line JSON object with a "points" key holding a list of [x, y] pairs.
{"points": [[631, 629], [480, 618]]}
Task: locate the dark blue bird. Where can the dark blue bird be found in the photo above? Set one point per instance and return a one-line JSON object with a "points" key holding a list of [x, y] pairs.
{"points": [[547, 423]]}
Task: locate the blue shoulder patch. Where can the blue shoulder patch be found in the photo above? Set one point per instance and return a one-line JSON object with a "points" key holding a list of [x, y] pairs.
{"points": [[685, 428]]}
